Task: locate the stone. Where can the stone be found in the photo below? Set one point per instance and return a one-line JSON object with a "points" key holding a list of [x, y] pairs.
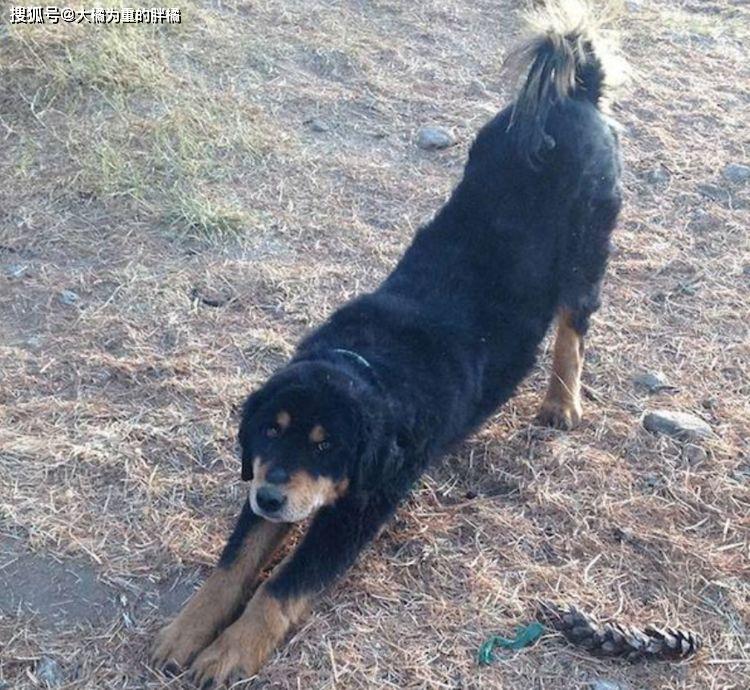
{"points": [[48, 671], [318, 125], [742, 474], [652, 381], [680, 425], [68, 297], [653, 481], [16, 270], [713, 192], [33, 341], [476, 89], [658, 177], [737, 173], [604, 684], [210, 296], [701, 221], [692, 38], [694, 454], [434, 138]]}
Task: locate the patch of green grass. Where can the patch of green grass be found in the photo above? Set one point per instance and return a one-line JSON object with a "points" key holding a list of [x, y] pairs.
{"points": [[196, 216], [709, 26], [128, 60], [135, 125]]}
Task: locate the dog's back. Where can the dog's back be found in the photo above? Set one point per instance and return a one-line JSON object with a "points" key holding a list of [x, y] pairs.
{"points": [[524, 236], [526, 232]]}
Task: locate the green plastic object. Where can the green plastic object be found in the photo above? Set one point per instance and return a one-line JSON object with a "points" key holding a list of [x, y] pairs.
{"points": [[525, 636]]}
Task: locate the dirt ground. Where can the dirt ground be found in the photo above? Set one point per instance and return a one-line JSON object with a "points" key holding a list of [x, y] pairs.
{"points": [[180, 204]]}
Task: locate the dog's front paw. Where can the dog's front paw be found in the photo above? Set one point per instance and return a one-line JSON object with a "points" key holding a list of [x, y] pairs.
{"points": [[228, 660], [177, 644], [240, 651], [558, 414]]}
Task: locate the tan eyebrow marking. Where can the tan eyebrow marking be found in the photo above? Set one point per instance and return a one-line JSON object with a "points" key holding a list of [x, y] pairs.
{"points": [[283, 419], [317, 434]]}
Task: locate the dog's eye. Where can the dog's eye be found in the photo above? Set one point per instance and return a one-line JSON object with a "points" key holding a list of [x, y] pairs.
{"points": [[272, 431], [323, 446]]}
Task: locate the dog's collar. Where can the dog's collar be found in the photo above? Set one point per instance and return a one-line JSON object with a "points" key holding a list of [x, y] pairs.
{"points": [[353, 355], [363, 366]]}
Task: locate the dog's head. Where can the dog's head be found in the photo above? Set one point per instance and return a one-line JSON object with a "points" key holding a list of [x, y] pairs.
{"points": [[306, 437]]}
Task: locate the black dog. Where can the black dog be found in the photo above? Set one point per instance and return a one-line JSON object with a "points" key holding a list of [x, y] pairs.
{"points": [[396, 377]]}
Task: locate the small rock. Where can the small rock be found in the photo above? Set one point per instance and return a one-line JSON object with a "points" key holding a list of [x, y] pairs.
{"points": [[692, 38], [602, 684], [33, 341], [694, 454], [652, 381], [742, 474], [68, 297], [658, 177], [653, 481], [713, 192], [634, 5], [701, 220], [681, 425], [476, 89], [211, 297], [318, 125], [433, 138], [49, 672], [737, 173], [16, 270]]}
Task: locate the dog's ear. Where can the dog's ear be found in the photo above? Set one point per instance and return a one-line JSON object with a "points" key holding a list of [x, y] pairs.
{"points": [[380, 462], [379, 454], [247, 431]]}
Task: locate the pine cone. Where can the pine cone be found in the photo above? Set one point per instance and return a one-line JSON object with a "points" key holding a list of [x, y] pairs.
{"points": [[615, 639]]}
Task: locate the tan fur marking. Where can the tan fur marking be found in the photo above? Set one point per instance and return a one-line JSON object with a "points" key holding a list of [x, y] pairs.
{"points": [[259, 471], [283, 419], [562, 404], [304, 488], [304, 493], [317, 434], [217, 601], [246, 644]]}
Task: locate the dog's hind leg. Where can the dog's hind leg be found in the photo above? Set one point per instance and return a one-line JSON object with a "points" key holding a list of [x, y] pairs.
{"points": [[562, 403], [584, 260], [221, 598]]}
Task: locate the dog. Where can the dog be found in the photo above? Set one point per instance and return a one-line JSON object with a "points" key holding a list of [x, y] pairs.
{"points": [[397, 377]]}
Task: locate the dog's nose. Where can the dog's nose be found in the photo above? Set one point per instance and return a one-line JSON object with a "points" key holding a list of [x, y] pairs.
{"points": [[269, 499], [277, 475]]}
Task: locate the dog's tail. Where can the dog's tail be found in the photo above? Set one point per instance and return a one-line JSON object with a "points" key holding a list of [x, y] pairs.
{"points": [[567, 57]]}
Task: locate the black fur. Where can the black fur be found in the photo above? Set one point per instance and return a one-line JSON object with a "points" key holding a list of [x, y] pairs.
{"points": [[246, 521], [456, 326]]}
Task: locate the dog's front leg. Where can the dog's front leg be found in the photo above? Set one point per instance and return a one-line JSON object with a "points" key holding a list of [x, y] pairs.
{"points": [[222, 596], [336, 536]]}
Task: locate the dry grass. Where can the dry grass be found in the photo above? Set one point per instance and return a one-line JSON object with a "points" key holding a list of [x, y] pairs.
{"points": [[142, 165]]}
